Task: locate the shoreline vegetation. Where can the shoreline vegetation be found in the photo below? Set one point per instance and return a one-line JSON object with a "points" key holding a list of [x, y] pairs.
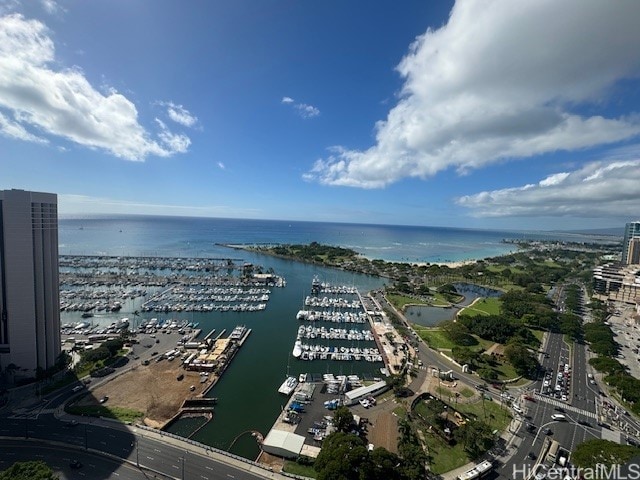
{"points": [[534, 263], [496, 338]]}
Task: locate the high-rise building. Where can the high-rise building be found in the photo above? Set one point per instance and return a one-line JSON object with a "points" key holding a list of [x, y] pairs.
{"points": [[631, 231], [29, 288]]}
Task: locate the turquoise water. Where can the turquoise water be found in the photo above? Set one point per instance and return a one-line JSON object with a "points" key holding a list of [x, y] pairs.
{"points": [[184, 236]]}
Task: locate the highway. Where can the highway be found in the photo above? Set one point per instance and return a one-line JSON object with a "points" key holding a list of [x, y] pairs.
{"points": [[163, 455], [579, 408]]}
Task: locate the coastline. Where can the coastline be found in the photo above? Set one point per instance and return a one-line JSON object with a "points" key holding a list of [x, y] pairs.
{"points": [[253, 247]]}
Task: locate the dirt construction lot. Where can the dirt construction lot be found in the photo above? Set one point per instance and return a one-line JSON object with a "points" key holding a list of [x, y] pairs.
{"points": [[152, 389]]}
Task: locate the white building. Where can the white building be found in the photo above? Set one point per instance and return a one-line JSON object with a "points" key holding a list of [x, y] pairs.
{"points": [[356, 394], [29, 290], [283, 444]]}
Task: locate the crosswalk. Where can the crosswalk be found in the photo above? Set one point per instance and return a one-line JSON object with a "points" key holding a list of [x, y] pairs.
{"points": [[565, 406]]}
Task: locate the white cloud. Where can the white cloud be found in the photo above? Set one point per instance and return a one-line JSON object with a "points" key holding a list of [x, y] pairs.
{"points": [[221, 166], [180, 115], [307, 111], [303, 109], [51, 6], [608, 188], [62, 103], [14, 130], [501, 80]]}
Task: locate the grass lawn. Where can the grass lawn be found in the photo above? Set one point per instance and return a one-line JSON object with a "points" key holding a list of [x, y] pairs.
{"points": [[467, 393], [504, 370], [486, 306], [297, 469], [537, 333], [498, 418], [401, 301], [117, 413], [444, 458], [400, 412], [441, 300], [435, 337]]}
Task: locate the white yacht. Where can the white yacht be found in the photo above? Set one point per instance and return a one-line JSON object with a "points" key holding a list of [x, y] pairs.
{"points": [[288, 386], [297, 349]]}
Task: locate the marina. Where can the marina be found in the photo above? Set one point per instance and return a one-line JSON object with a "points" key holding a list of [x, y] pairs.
{"points": [[361, 340], [95, 284]]}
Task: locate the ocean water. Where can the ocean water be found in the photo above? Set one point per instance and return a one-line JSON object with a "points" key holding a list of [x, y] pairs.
{"points": [[187, 236], [247, 393]]}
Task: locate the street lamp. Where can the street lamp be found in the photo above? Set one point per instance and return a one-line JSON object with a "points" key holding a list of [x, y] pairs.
{"points": [[182, 460]]}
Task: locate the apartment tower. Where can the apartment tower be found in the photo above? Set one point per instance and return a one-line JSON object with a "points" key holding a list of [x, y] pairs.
{"points": [[630, 248], [29, 291]]}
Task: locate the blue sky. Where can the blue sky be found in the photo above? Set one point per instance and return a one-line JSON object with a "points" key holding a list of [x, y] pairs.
{"points": [[499, 114]]}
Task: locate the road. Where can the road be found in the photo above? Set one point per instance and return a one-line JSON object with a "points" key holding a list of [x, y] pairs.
{"points": [[161, 454], [579, 408]]}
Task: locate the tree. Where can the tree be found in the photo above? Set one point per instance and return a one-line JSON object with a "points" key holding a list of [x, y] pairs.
{"points": [[476, 437], [341, 457], [488, 374], [588, 454], [34, 470], [458, 333], [523, 361], [465, 356], [381, 464], [343, 419]]}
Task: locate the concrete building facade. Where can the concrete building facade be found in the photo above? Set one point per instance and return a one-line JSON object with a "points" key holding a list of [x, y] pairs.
{"points": [[29, 288], [630, 245]]}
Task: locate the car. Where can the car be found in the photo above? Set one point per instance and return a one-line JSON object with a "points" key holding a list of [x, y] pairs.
{"points": [[75, 463], [559, 409], [592, 382], [530, 398], [558, 417], [586, 423], [530, 427], [153, 354], [547, 431], [104, 399], [531, 456]]}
